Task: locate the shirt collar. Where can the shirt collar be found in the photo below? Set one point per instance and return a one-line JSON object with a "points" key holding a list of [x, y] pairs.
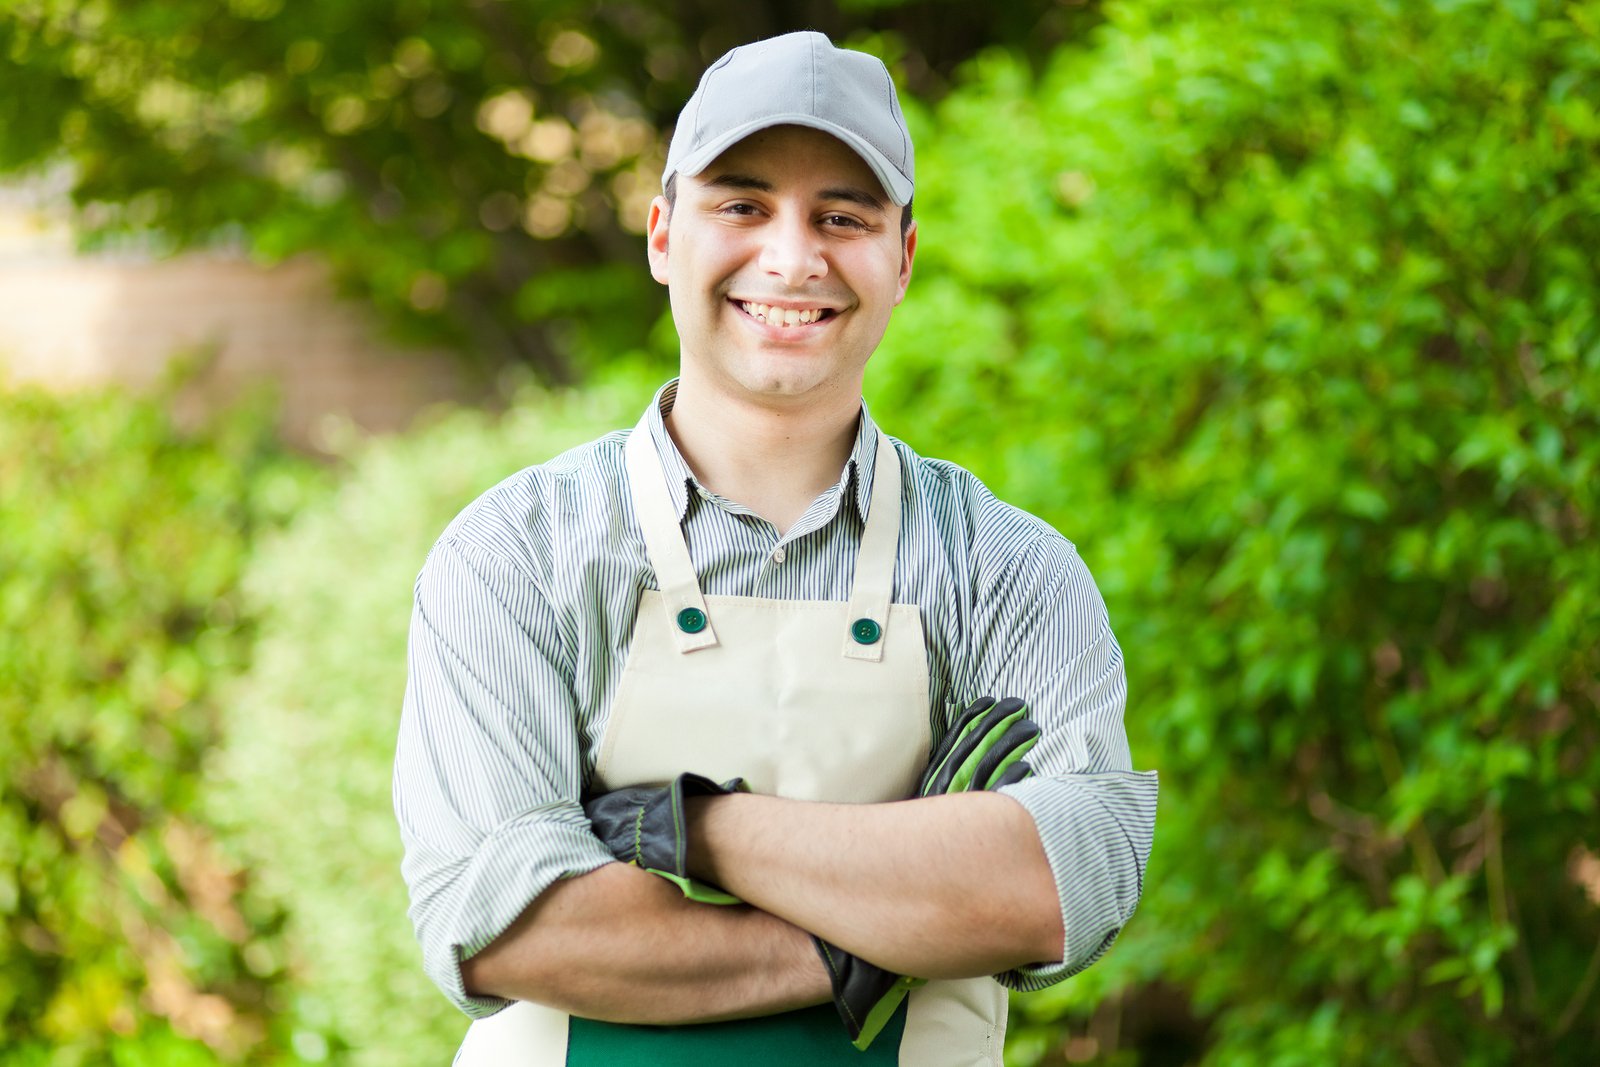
{"points": [[680, 478]]}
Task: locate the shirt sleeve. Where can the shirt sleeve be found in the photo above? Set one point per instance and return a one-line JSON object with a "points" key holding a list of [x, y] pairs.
{"points": [[488, 770], [1042, 634]]}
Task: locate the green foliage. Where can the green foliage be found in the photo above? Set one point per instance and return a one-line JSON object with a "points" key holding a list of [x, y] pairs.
{"points": [[447, 159], [123, 926], [1284, 313], [312, 727], [1288, 315]]}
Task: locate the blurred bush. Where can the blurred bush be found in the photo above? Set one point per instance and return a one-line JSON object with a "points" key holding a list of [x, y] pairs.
{"points": [[1287, 314], [126, 933], [312, 727]]}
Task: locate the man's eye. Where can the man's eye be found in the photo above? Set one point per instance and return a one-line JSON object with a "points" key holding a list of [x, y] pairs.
{"points": [[844, 221]]}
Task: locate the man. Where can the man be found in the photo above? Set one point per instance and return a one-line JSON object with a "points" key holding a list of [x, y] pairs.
{"points": [[756, 583]]}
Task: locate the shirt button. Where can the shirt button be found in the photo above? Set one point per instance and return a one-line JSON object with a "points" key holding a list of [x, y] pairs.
{"points": [[778, 555]]}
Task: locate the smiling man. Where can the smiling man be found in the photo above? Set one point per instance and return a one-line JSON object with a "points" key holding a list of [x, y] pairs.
{"points": [[756, 585]]}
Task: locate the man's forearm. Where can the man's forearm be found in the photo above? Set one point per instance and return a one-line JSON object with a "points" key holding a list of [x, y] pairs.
{"points": [[623, 945], [942, 887]]}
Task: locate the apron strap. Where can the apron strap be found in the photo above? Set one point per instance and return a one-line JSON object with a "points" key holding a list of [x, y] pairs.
{"points": [[874, 579], [687, 618]]}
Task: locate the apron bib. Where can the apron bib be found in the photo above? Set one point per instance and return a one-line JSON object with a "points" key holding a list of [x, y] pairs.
{"points": [[809, 700]]}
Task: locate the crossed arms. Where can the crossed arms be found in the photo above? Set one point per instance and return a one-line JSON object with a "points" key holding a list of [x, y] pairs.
{"points": [[941, 887]]}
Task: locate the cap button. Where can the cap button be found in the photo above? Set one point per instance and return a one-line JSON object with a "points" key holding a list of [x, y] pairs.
{"points": [[865, 631], [691, 620]]}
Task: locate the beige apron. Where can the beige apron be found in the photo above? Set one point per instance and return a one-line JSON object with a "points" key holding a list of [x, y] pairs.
{"points": [[810, 700]]}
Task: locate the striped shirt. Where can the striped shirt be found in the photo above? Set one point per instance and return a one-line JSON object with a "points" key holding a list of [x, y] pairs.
{"points": [[521, 625]]}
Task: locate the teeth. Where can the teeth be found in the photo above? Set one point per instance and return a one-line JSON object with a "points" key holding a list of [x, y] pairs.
{"points": [[781, 316]]}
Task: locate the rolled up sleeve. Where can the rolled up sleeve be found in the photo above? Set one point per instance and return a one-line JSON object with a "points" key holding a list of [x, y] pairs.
{"points": [[1044, 636], [488, 770]]}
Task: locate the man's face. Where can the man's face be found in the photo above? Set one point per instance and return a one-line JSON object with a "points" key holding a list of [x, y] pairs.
{"points": [[784, 259]]}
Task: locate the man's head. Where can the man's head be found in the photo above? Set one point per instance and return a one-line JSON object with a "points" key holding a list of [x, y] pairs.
{"points": [[784, 232]]}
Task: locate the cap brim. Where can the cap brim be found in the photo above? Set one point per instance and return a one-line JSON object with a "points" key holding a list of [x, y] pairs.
{"points": [[895, 184]]}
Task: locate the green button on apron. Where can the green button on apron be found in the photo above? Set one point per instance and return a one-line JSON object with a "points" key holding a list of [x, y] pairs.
{"points": [[810, 1037]]}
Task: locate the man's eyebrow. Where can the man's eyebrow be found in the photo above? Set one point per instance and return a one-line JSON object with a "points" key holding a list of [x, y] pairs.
{"points": [[852, 194], [741, 181]]}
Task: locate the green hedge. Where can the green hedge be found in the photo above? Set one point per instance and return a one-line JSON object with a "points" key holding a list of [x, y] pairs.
{"points": [[127, 934]]}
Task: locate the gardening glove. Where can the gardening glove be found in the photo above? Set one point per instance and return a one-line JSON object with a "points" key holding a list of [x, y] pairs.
{"points": [[644, 826], [865, 995], [983, 749]]}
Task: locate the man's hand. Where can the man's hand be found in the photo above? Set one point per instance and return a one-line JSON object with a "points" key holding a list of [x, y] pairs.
{"points": [[982, 750], [645, 826]]}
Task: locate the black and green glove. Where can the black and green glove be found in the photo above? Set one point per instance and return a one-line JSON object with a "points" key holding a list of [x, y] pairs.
{"points": [[983, 749], [865, 994], [644, 825]]}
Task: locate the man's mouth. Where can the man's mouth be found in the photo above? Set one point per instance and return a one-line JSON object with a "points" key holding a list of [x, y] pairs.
{"points": [[784, 317]]}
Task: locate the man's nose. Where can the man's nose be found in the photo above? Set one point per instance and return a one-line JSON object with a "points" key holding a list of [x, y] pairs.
{"points": [[793, 251]]}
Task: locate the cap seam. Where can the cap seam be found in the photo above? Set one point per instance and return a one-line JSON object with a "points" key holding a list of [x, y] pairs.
{"points": [[889, 98], [703, 91], [813, 77]]}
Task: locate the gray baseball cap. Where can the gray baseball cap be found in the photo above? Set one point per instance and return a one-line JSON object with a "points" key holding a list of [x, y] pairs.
{"points": [[799, 79]]}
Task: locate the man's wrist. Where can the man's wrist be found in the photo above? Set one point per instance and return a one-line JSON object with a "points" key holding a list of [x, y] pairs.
{"points": [[701, 815]]}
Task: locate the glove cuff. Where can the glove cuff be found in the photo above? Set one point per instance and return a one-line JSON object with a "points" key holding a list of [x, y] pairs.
{"points": [[865, 995], [668, 831]]}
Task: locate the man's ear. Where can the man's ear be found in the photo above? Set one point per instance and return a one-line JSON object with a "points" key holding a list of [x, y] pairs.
{"points": [[908, 252], [655, 229]]}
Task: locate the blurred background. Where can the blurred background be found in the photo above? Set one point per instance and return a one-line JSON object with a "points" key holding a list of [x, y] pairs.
{"points": [[1285, 314]]}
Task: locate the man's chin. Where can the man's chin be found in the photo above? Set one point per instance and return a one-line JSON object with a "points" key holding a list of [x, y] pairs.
{"points": [[786, 385]]}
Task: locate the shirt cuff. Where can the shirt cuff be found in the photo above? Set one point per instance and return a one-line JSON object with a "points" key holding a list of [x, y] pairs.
{"points": [[1097, 831], [485, 894]]}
